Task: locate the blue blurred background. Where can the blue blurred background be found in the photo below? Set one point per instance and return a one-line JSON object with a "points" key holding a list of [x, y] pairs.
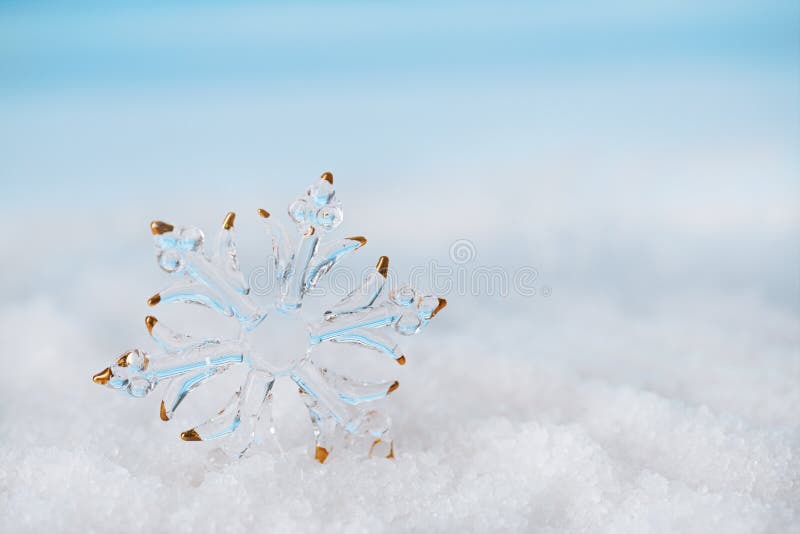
{"points": [[642, 157], [631, 150]]}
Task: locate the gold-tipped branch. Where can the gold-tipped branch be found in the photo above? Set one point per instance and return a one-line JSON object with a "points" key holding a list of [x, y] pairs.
{"points": [[191, 435], [360, 238], [229, 219], [122, 361], [383, 266], [263, 213], [321, 454], [103, 376], [439, 307], [150, 322], [160, 227], [155, 299], [390, 455], [328, 177]]}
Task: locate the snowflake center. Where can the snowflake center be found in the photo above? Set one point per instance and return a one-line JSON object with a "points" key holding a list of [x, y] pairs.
{"points": [[278, 343]]}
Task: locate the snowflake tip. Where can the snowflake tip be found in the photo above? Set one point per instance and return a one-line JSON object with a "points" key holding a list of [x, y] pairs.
{"points": [[155, 299], [160, 227], [191, 435], [321, 454], [360, 238], [150, 321], [383, 265], [122, 361], [263, 213], [439, 307], [389, 455], [163, 413], [393, 387], [229, 219], [328, 177], [102, 377]]}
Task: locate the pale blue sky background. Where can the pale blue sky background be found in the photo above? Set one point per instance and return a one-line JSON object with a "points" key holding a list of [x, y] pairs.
{"points": [[633, 149], [642, 156]]}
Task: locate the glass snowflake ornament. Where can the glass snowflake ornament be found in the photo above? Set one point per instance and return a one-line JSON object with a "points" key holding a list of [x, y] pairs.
{"points": [[210, 276]]}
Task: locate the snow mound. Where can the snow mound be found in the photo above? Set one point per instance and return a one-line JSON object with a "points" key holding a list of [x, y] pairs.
{"points": [[497, 433]]}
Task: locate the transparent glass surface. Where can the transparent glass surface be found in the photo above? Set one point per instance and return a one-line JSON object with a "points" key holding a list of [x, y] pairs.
{"points": [[369, 318]]}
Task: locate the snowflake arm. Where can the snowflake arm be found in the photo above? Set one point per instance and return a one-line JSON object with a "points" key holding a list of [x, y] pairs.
{"points": [[215, 282], [168, 339], [242, 414], [327, 256], [358, 391], [365, 295]]}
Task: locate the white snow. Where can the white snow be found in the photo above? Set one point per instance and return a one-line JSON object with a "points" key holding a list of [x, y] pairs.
{"points": [[565, 414]]}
